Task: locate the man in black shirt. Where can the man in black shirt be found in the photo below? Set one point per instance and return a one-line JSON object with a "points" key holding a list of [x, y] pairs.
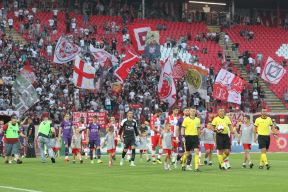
{"points": [[128, 132], [31, 136]]}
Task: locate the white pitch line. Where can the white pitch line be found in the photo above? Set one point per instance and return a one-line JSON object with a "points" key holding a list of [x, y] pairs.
{"points": [[18, 189]]}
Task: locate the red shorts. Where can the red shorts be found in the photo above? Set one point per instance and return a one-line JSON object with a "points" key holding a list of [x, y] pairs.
{"points": [[208, 147], [115, 143], [111, 151], [57, 148], [76, 151], [156, 141], [168, 151], [84, 142], [247, 146], [174, 143]]}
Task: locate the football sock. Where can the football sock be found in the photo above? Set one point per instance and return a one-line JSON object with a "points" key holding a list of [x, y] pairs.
{"points": [[123, 154], [91, 154], [178, 157], [196, 161], [160, 153], [133, 155], [189, 159], [225, 156], [98, 152], [153, 155], [66, 151], [220, 160], [264, 158]]}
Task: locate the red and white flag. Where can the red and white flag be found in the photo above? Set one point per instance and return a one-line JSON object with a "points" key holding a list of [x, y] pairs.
{"points": [[84, 74], [178, 72], [65, 51], [138, 37], [228, 87], [166, 85], [273, 71], [125, 67], [105, 59], [28, 73]]}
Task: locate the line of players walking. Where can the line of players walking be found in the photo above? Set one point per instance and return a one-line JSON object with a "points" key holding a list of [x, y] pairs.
{"points": [[177, 139]]}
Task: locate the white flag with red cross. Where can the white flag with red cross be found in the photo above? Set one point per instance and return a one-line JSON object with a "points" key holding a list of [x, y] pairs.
{"points": [[84, 74], [273, 72], [166, 85], [138, 37]]}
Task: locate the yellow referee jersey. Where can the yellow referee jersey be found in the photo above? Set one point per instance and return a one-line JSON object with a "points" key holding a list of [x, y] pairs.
{"points": [[263, 125], [225, 122], [191, 125]]}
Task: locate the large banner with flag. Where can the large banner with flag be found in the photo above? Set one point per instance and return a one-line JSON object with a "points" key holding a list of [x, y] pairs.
{"points": [[24, 95], [88, 116], [103, 57], [228, 87], [84, 74], [196, 78], [166, 85], [65, 51], [138, 37], [273, 71], [125, 67]]}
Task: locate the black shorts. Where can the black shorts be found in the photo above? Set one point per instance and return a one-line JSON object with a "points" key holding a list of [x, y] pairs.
{"points": [[264, 141], [192, 142], [129, 142], [223, 141]]}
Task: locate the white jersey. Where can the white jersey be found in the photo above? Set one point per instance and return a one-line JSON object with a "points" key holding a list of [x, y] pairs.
{"points": [[173, 121], [247, 133], [76, 141], [143, 143], [208, 136]]}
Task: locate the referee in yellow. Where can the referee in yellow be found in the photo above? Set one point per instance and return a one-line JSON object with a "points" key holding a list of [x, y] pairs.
{"points": [[262, 128], [222, 125], [190, 131]]}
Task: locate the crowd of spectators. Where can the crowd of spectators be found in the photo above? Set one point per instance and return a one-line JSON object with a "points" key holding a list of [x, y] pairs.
{"points": [[54, 86]]}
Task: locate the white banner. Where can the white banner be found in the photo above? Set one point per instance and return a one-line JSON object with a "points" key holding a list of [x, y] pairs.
{"points": [[273, 71]]}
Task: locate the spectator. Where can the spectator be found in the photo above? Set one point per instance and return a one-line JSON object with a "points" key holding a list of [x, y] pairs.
{"points": [[258, 70], [286, 96]]}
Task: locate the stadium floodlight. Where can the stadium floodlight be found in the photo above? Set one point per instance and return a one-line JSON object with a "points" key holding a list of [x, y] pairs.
{"points": [[207, 3]]}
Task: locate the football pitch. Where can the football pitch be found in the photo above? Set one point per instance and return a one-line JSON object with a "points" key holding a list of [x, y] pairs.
{"points": [[34, 176]]}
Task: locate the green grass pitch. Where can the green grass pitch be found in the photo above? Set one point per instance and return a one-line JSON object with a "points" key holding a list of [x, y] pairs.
{"points": [[145, 177]]}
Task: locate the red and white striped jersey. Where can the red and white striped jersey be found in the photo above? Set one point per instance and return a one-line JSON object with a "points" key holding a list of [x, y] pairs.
{"points": [[173, 121], [82, 127], [155, 123]]}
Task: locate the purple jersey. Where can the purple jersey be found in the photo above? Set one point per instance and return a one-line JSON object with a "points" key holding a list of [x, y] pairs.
{"points": [[180, 121], [1, 136], [66, 127], [94, 130], [22, 130]]}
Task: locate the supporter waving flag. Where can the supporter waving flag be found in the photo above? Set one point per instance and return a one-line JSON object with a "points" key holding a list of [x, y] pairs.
{"points": [[65, 51], [228, 87], [138, 37], [103, 57], [28, 73], [166, 85], [84, 74], [125, 67]]}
